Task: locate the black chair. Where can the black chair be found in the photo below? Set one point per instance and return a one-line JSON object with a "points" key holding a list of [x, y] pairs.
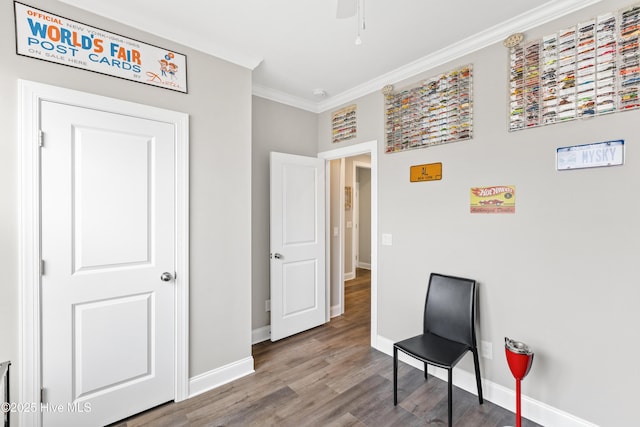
{"points": [[449, 331]]}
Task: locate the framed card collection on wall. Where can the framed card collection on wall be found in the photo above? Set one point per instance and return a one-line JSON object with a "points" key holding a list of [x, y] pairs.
{"points": [[344, 124], [437, 111], [582, 71]]}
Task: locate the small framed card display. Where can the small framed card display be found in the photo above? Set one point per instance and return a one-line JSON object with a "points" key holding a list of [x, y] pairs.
{"points": [[344, 124]]}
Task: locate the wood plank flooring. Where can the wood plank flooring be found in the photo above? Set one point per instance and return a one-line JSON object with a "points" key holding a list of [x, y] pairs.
{"points": [[328, 376]]}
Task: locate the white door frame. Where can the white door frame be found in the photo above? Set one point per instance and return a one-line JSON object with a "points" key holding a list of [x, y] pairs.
{"points": [[371, 148], [31, 95], [355, 244]]}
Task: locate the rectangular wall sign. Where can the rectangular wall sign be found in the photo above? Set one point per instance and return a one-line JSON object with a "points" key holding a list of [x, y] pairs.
{"points": [[429, 172], [43, 35], [609, 153], [497, 199]]}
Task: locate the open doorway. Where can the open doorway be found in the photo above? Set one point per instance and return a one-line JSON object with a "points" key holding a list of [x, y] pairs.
{"points": [[361, 258], [356, 168], [350, 222], [339, 254]]}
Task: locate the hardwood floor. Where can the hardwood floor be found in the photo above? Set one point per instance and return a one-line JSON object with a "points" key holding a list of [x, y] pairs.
{"points": [[328, 376]]}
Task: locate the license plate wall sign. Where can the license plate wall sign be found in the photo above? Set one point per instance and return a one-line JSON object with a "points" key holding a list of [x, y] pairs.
{"points": [[609, 153], [428, 172]]}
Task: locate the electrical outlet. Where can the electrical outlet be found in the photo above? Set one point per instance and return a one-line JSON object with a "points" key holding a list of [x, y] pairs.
{"points": [[267, 305], [486, 350]]}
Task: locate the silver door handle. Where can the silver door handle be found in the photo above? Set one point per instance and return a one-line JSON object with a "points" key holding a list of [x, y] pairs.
{"points": [[166, 276], [278, 256]]}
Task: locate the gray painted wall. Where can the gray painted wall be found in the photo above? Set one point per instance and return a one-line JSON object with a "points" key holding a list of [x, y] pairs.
{"points": [[219, 106], [348, 219], [561, 274], [364, 235], [349, 180], [336, 192], [275, 127]]}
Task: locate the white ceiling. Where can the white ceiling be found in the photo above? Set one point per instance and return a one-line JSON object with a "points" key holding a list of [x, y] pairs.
{"points": [[297, 46]]}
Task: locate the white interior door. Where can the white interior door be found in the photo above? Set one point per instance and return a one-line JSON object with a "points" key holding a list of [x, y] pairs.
{"points": [[297, 244], [108, 210]]}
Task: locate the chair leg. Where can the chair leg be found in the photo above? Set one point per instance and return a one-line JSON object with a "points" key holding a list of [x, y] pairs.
{"points": [[395, 376], [449, 402], [425, 371], [476, 362]]}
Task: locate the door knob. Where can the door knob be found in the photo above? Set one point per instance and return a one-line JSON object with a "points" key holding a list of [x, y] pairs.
{"points": [[278, 256], [166, 277]]}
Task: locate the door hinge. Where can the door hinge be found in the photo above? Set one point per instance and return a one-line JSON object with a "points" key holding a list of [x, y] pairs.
{"points": [[42, 267], [41, 138], [42, 395]]}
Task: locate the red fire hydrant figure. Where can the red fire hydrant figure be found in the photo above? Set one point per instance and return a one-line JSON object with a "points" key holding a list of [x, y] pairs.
{"points": [[520, 359]]}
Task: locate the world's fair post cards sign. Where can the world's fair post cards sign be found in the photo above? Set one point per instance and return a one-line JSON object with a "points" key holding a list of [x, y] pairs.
{"points": [[43, 35], [493, 200]]}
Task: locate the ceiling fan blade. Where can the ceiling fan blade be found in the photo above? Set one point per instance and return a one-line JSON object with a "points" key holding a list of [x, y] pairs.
{"points": [[346, 8]]}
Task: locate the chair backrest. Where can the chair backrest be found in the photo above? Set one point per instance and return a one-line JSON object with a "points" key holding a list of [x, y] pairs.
{"points": [[449, 309]]}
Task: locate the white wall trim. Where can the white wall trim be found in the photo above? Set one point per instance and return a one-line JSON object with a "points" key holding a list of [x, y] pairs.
{"points": [[220, 376], [336, 310], [284, 98], [349, 276], [31, 95], [364, 265], [261, 334], [341, 233], [29, 375], [504, 397], [370, 147]]}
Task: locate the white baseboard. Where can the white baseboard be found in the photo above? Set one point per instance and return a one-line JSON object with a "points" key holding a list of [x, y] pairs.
{"points": [[260, 334], [532, 409], [223, 375], [336, 310], [349, 276], [364, 265], [264, 333]]}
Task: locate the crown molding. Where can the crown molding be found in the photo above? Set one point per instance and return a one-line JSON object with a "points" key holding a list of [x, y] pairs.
{"points": [[538, 16], [284, 98]]}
